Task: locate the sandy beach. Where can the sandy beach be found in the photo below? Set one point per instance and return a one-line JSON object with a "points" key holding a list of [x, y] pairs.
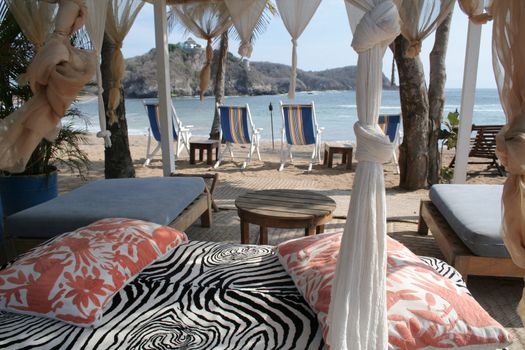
{"points": [[401, 204]]}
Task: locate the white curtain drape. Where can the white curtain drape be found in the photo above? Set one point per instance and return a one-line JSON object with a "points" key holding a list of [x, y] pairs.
{"points": [[207, 21], [35, 19], [508, 56], [475, 11], [95, 26], [420, 18], [245, 15], [56, 75], [296, 14], [121, 15], [357, 315]]}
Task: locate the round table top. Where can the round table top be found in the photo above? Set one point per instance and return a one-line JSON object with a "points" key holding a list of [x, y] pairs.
{"points": [[286, 204]]}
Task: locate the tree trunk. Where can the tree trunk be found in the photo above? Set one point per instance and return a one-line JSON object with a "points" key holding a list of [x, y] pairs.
{"points": [[413, 152], [436, 97], [218, 89], [117, 158]]}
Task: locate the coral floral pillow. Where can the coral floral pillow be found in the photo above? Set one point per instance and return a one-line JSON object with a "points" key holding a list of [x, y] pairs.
{"points": [[73, 277], [425, 309]]}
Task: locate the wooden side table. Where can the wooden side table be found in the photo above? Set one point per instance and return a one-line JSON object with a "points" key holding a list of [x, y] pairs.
{"points": [[204, 145], [344, 149], [283, 209]]}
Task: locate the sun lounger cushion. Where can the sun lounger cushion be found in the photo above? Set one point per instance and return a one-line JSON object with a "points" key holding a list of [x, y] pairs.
{"points": [[73, 277], [474, 213], [424, 309], [155, 199]]}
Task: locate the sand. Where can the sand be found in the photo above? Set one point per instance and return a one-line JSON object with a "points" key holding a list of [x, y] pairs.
{"points": [[401, 204]]}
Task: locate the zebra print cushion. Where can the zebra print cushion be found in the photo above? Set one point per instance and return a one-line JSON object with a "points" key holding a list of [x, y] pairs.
{"points": [[201, 296]]}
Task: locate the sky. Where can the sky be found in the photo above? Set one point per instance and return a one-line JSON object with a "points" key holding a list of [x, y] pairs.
{"points": [[325, 44]]}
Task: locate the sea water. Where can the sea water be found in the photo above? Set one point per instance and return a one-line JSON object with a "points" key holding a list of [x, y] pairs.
{"points": [[335, 110]]}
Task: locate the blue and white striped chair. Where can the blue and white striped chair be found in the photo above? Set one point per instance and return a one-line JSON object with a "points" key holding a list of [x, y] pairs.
{"points": [[390, 124], [237, 127], [181, 133], [299, 127]]}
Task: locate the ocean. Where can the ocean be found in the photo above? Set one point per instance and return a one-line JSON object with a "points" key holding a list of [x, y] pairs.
{"points": [[335, 110]]}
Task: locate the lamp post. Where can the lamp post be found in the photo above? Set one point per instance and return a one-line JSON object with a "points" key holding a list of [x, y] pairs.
{"points": [[270, 108]]}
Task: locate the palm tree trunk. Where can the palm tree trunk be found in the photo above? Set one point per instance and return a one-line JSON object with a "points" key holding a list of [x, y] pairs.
{"points": [[413, 152], [436, 96], [218, 89], [117, 158]]}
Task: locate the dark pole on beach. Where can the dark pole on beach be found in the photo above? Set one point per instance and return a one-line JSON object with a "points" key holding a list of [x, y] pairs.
{"points": [[270, 107]]}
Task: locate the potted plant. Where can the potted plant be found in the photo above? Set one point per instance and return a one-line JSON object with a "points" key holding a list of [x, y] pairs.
{"points": [[38, 182]]}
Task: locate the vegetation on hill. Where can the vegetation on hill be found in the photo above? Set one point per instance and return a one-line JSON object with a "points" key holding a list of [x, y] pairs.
{"points": [[242, 78]]}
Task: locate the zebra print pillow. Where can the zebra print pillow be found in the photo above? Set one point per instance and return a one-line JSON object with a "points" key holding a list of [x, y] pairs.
{"points": [[73, 277], [425, 309]]}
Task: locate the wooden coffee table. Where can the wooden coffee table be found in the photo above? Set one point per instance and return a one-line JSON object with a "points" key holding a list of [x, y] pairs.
{"points": [[333, 148], [283, 209], [204, 145]]}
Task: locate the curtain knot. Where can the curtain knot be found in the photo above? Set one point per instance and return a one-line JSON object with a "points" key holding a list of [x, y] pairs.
{"points": [[510, 147], [245, 49], [118, 45], [414, 48], [379, 25], [373, 145], [482, 18]]}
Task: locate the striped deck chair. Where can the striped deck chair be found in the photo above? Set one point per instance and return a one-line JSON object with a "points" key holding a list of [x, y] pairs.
{"points": [[299, 127], [237, 127], [390, 124], [181, 133]]}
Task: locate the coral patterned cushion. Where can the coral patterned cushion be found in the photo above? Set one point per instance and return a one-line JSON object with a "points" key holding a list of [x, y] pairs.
{"points": [[73, 277], [425, 309]]}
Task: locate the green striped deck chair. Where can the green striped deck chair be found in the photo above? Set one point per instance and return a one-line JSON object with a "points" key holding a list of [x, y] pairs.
{"points": [[237, 127], [299, 127]]}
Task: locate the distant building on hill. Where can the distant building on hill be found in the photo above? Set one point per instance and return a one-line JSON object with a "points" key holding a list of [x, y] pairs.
{"points": [[188, 45]]}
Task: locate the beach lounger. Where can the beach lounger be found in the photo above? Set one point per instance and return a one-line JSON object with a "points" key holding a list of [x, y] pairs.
{"points": [[181, 134], [390, 124], [299, 127], [237, 127], [465, 221], [174, 201]]}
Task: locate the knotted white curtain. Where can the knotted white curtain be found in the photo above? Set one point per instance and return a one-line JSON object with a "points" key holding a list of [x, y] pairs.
{"points": [[35, 19], [56, 75], [207, 21], [474, 9], [245, 15], [296, 15], [121, 15], [357, 315], [508, 55], [95, 25], [419, 18]]}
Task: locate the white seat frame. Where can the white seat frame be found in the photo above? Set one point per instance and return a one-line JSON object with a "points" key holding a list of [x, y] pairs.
{"points": [[287, 153], [396, 142]]}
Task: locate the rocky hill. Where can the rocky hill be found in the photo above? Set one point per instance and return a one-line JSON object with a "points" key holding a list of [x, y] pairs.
{"points": [[256, 78]]}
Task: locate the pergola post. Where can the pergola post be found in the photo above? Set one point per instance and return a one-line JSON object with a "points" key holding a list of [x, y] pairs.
{"points": [[164, 86], [468, 95]]}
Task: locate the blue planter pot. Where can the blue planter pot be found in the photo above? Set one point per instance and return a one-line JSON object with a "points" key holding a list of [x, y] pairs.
{"points": [[19, 192]]}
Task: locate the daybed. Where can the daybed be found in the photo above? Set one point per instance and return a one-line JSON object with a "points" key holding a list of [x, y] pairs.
{"points": [[465, 220], [174, 201]]}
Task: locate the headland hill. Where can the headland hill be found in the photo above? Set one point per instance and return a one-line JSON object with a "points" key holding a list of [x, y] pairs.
{"points": [[242, 78]]}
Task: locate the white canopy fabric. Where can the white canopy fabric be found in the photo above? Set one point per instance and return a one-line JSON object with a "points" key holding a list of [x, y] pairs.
{"points": [[357, 315], [296, 14], [207, 21], [245, 15], [95, 26], [508, 55], [420, 18], [56, 75], [35, 19], [121, 15]]}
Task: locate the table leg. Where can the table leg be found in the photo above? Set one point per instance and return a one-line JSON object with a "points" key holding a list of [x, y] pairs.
{"points": [[309, 231], [343, 160], [201, 154], [209, 155], [245, 232], [330, 158], [263, 235], [325, 160], [217, 152], [192, 154], [349, 161], [319, 229]]}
